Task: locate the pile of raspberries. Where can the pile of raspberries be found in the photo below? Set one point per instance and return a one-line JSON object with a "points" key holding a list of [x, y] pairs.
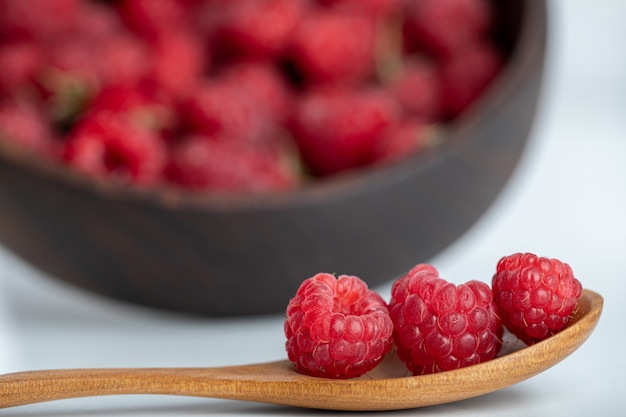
{"points": [[236, 96], [338, 328]]}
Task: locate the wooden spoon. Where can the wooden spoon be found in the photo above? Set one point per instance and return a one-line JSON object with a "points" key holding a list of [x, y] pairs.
{"points": [[385, 388]]}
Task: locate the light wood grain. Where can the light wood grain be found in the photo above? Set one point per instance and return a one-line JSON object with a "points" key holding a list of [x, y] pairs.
{"points": [[385, 388]]}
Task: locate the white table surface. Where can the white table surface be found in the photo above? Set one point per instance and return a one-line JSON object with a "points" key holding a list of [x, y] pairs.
{"points": [[567, 200]]}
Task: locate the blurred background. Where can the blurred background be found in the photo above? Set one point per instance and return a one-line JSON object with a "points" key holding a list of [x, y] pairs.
{"points": [[566, 200]]}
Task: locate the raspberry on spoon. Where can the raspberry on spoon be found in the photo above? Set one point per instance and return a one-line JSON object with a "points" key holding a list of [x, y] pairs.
{"points": [[536, 296], [439, 326], [337, 327]]}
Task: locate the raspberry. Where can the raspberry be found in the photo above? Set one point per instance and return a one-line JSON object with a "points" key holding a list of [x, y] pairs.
{"points": [[401, 140], [203, 163], [443, 26], [264, 83], [69, 65], [338, 129], [69, 77], [332, 47], [19, 64], [536, 296], [38, 19], [465, 75], [26, 127], [206, 18], [374, 8], [122, 58], [178, 60], [439, 326], [260, 28], [221, 109], [337, 327], [107, 145], [97, 21], [149, 17], [417, 88], [136, 103]]}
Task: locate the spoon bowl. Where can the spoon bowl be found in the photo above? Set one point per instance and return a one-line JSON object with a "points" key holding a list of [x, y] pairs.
{"points": [[387, 387]]}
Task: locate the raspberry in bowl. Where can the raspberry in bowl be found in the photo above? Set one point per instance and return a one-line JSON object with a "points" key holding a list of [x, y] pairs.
{"points": [[204, 164]]}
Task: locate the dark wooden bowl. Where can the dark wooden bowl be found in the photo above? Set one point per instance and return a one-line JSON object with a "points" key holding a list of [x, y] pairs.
{"points": [[247, 255]]}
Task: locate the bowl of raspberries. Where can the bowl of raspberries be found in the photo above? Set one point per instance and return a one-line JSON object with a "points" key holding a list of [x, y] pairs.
{"points": [[204, 155]]}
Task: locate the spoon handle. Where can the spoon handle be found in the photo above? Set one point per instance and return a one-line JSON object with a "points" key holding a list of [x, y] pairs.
{"points": [[235, 382]]}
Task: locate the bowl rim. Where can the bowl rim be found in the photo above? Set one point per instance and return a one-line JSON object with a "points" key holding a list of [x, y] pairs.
{"points": [[339, 186]]}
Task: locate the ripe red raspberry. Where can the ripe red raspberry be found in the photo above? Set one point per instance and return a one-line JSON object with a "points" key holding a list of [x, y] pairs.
{"points": [[332, 47], [26, 127], [338, 130], [536, 296], [221, 109], [122, 58], [375, 8], [177, 62], [337, 327], [443, 26], [259, 29], [401, 140], [416, 87], [69, 77], [138, 104], [19, 64], [69, 65], [465, 75], [98, 20], [149, 17], [38, 19], [265, 84], [206, 164], [439, 326], [108, 145]]}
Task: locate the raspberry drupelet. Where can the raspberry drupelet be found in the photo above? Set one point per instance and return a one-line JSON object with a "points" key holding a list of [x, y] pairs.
{"points": [[336, 327]]}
